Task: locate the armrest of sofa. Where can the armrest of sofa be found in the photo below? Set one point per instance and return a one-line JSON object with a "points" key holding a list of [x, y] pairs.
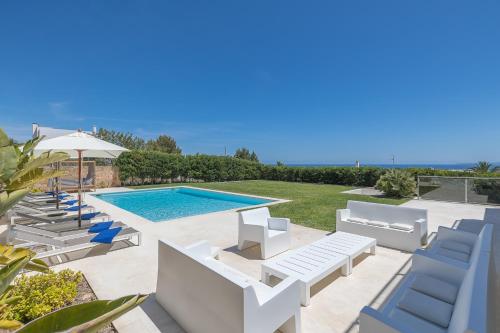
{"points": [[465, 237], [289, 288], [420, 228], [202, 249], [343, 214], [440, 267], [278, 223], [372, 321]]}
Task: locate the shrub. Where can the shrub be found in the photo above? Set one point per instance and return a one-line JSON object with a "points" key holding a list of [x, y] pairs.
{"points": [[397, 183], [152, 167], [42, 293]]}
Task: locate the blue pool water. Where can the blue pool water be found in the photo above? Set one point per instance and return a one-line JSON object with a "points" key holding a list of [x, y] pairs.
{"points": [[166, 204]]}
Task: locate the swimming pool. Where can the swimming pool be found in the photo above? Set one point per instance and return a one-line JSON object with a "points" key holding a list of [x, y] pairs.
{"points": [[171, 203]]}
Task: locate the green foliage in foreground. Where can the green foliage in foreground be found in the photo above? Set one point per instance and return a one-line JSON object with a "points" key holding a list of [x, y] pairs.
{"points": [[41, 294], [82, 318], [20, 170], [312, 205], [397, 183]]}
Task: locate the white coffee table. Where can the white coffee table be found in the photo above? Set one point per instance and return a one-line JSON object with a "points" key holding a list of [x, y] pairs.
{"points": [[313, 262]]}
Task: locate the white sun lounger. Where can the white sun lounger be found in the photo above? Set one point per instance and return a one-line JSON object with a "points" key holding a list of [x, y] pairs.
{"points": [[63, 230], [23, 218], [68, 244], [313, 262]]}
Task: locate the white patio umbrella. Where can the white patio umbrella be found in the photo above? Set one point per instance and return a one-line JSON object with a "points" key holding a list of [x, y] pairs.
{"points": [[76, 145]]}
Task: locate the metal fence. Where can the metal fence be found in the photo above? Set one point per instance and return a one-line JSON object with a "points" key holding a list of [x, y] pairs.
{"points": [[459, 189]]}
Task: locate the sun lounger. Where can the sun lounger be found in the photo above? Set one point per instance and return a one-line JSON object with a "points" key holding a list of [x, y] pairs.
{"points": [[69, 229], [23, 218], [62, 211], [313, 262], [70, 244]]}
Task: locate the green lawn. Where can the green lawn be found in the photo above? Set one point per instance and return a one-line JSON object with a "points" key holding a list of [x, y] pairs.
{"points": [[313, 205]]}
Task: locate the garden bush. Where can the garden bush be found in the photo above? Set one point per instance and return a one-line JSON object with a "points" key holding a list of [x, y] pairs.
{"points": [[397, 183], [153, 167], [42, 293]]}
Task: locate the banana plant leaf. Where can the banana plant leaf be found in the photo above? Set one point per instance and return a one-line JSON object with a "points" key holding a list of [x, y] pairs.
{"points": [[9, 325], [83, 318], [9, 253], [8, 162], [40, 161], [33, 177], [4, 139], [9, 199], [9, 272]]}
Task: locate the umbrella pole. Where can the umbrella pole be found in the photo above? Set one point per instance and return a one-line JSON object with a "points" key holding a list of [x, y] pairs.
{"points": [[57, 187], [79, 188]]}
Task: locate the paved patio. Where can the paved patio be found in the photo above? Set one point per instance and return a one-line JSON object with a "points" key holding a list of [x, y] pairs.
{"points": [[335, 302]]}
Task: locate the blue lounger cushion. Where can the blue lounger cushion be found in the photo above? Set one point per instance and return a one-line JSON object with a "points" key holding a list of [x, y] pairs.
{"points": [[106, 236], [69, 202], [100, 226], [74, 208]]}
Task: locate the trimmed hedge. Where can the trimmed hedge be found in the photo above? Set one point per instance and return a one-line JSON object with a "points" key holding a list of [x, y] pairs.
{"points": [[153, 167]]}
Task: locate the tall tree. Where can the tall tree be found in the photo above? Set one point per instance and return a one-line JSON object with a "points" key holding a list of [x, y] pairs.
{"points": [[484, 167], [245, 154], [165, 144], [127, 140]]}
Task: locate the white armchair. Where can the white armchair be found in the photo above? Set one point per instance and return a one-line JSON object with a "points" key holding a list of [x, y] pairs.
{"points": [[272, 233]]}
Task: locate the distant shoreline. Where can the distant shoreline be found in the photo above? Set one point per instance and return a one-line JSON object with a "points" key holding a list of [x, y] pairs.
{"points": [[456, 166]]}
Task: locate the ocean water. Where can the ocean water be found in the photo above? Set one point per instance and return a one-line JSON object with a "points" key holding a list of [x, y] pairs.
{"points": [[167, 204], [457, 166]]}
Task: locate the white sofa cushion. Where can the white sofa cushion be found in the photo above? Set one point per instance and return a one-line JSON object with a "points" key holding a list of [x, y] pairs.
{"points": [[426, 307], [436, 288], [401, 226], [456, 246], [378, 223], [416, 323], [453, 254], [357, 220]]}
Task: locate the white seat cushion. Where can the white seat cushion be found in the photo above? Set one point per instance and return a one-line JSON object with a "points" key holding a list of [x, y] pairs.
{"points": [[426, 307], [401, 226], [436, 288], [456, 246], [417, 324], [378, 223], [357, 220], [273, 233], [453, 254]]}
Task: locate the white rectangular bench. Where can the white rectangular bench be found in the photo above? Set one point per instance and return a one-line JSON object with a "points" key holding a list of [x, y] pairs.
{"points": [[313, 262], [401, 228]]}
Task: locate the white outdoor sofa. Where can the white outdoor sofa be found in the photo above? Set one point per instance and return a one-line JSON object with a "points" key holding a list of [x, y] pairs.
{"points": [[458, 247], [397, 227], [272, 233], [438, 296], [203, 295]]}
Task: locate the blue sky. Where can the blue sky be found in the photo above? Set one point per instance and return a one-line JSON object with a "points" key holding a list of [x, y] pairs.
{"points": [[297, 81]]}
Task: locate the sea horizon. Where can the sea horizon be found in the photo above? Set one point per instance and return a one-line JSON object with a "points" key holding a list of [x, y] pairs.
{"points": [[439, 166]]}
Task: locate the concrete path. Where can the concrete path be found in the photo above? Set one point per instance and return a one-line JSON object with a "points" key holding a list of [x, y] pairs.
{"points": [[335, 302]]}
